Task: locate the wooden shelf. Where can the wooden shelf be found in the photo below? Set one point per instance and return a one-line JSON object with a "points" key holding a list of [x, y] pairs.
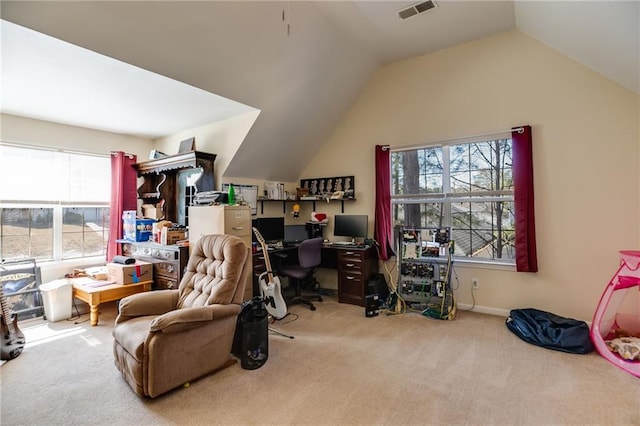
{"points": [[174, 162], [284, 203], [174, 179]]}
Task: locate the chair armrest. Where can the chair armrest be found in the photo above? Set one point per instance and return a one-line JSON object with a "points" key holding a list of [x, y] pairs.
{"points": [[148, 303], [184, 319]]}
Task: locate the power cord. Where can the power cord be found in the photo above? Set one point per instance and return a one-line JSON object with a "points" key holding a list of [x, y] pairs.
{"points": [[395, 303], [473, 296], [446, 310], [273, 321], [76, 318]]}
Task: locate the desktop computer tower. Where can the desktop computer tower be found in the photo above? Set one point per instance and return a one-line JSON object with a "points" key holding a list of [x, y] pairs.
{"points": [[371, 305], [315, 230]]}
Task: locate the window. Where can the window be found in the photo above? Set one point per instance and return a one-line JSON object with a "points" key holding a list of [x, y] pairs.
{"points": [[54, 205], [467, 186]]}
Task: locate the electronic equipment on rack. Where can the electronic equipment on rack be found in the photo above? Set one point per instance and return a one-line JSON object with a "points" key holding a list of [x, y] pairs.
{"points": [[425, 266]]}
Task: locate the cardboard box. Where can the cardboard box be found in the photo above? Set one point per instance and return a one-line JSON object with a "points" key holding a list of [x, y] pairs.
{"points": [[136, 229], [149, 211], [130, 274], [170, 237]]}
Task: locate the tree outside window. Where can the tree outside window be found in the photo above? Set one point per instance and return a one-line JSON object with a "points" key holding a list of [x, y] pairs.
{"points": [[465, 186]]}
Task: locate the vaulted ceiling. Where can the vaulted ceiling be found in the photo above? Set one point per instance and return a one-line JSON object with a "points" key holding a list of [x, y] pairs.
{"points": [[302, 64]]}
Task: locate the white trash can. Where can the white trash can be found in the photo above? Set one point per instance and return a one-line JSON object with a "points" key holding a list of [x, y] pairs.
{"points": [[57, 299]]}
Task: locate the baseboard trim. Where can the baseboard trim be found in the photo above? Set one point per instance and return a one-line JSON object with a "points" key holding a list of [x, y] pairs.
{"points": [[495, 311], [484, 310]]}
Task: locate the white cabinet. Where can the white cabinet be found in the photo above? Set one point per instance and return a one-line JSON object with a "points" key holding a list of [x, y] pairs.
{"points": [[234, 220]]}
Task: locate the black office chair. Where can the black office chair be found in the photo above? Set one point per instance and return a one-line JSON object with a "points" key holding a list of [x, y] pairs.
{"points": [[309, 256]]}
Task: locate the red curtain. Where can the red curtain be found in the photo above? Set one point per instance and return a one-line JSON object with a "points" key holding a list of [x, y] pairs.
{"points": [[382, 232], [526, 257], [124, 196]]}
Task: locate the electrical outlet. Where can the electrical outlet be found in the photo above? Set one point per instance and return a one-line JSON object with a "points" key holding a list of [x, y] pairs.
{"points": [[475, 283]]}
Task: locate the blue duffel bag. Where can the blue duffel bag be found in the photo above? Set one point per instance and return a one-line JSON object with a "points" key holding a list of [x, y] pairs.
{"points": [[550, 331]]}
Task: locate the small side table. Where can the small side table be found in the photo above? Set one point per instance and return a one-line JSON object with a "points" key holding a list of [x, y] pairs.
{"points": [[96, 295]]}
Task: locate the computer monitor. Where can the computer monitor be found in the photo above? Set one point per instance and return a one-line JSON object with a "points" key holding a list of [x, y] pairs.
{"points": [[295, 233], [351, 225], [271, 228]]}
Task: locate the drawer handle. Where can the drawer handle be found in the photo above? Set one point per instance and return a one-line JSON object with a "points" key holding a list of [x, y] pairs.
{"points": [[238, 228], [349, 277], [350, 265], [350, 252]]}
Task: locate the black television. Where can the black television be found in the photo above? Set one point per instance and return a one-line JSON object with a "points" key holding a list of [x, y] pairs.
{"points": [[351, 225], [271, 228]]}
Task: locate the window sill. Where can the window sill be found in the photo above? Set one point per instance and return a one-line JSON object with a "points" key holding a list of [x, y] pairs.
{"points": [[55, 269], [480, 264], [72, 262]]}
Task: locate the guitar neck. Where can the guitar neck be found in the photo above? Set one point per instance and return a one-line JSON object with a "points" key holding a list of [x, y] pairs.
{"points": [[6, 314], [265, 251]]}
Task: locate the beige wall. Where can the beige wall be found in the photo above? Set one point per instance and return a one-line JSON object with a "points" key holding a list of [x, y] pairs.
{"points": [[586, 157], [221, 138], [23, 130]]}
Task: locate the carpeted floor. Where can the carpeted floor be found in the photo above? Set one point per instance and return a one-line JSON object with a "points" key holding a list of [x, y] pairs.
{"points": [[341, 368]]}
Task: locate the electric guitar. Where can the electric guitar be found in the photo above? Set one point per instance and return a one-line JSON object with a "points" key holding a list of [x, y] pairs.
{"points": [[12, 339], [270, 284]]}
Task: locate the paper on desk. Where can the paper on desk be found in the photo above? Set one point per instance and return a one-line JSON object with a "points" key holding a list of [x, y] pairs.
{"points": [[90, 282]]}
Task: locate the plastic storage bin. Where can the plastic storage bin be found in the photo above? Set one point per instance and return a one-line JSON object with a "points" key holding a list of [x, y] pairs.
{"points": [[57, 298], [134, 229]]}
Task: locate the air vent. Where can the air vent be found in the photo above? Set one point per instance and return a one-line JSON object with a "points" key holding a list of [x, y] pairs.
{"points": [[416, 9]]}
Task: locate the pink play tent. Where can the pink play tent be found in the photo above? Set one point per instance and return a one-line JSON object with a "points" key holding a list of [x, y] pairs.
{"points": [[618, 313]]}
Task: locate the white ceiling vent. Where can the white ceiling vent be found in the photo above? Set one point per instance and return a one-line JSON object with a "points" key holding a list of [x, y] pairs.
{"points": [[416, 9]]}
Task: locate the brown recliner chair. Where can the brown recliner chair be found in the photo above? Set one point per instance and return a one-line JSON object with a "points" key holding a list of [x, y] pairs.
{"points": [[164, 339]]}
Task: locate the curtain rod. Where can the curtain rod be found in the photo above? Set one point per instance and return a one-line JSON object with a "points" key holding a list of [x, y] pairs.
{"points": [[114, 153], [485, 136]]}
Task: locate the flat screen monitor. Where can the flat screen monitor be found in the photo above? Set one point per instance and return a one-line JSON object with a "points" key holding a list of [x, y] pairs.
{"points": [[351, 225], [271, 228], [295, 233]]}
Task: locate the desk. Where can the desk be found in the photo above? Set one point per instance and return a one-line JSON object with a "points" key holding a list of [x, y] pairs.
{"points": [[96, 295], [355, 266]]}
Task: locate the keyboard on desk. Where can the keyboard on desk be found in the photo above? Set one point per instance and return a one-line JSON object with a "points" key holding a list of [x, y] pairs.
{"points": [[346, 244]]}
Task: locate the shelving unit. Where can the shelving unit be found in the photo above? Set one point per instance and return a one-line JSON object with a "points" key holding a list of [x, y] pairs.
{"points": [[425, 270], [173, 181], [284, 203]]}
